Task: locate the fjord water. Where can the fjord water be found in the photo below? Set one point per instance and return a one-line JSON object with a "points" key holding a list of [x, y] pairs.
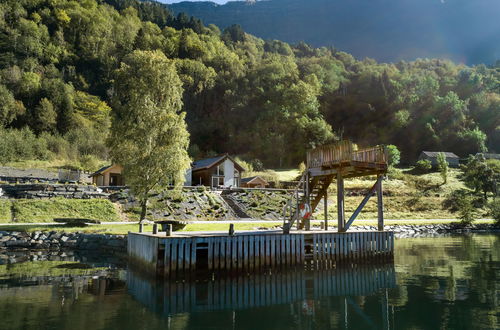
{"points": [[441, 282]]}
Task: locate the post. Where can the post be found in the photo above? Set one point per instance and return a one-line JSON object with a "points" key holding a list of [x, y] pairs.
{"points": [[155, 229], [380, 205], [307, 224], [326, 210], [141, 227], [340, 202], [169, 230], [231, 229]]}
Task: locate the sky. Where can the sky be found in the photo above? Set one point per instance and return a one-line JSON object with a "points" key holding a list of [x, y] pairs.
{"points": [[216, 1]]}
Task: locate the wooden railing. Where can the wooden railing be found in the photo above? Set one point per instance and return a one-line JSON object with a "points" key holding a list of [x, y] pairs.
{"points": [[343, 151]]}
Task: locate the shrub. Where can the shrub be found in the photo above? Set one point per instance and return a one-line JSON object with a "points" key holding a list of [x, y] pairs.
{"points": [[443, 166], [466, 209], [423, 166], [394, 155], [494, 208]]}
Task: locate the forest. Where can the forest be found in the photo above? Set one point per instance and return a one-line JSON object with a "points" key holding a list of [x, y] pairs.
{"points": [[264, 100]]}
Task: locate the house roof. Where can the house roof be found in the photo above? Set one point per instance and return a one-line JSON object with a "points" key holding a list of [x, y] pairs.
{"points": [[213, 161], [101, 170], [250, 179], [491, 156], [434, 154]]}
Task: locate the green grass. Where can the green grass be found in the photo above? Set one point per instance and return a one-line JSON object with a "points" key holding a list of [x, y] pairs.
{"points": [[121, 229], [46, 268], [5, 213], [32, 210]]}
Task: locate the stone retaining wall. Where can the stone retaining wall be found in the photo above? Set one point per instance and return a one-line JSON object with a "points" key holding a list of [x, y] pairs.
{"points": [[40, 191], [53, 240]]}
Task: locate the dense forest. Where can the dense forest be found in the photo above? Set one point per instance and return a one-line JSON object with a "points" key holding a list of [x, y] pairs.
{"points": [[259, 99], [386, 30]]}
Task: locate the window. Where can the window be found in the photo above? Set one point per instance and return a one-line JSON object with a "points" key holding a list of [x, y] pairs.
{"points": [[220, 169]]}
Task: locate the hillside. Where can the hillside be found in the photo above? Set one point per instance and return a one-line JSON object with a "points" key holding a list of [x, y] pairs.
{"points": [[387, 30], [265, 101]]}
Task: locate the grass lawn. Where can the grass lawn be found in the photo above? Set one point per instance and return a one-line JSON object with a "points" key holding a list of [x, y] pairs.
{"points": [[121, 229], [5, 213], [32, 210]]}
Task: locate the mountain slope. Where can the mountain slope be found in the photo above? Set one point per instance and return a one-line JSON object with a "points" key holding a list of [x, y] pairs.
{"points": [[387, 30]]}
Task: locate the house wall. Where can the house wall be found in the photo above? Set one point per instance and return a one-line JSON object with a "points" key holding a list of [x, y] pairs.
{"points": [[228, 173], [452, 162]]}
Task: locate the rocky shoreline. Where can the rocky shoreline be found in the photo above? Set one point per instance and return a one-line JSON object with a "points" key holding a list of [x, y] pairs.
{"points": [[53, 245]]}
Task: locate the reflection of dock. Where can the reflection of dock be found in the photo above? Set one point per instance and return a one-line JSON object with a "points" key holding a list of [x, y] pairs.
{"points": [[259, 290], [251, 251]]}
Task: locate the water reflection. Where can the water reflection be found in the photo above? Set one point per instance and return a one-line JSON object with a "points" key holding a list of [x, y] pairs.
{"points": [[297, 293], [446, 282]]}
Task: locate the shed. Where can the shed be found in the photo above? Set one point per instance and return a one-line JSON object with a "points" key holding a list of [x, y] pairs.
{"points": [[492, 156], [254, 182], [220, 171], [110, 175], [452, 159]]}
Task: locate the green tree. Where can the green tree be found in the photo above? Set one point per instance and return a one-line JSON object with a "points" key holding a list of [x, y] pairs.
{"points": [[149, 136], [477, 175], [442, 166], [394, 155]]}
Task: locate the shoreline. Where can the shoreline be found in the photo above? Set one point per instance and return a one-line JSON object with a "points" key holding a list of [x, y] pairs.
{"points": [[17, 246]]}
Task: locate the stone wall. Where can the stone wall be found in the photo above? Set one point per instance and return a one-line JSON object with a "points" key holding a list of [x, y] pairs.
{"points": [[40, 191], [53, 240]]}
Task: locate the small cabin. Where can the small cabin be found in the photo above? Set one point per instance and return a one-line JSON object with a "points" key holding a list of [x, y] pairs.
{"points": [[108, 176], [491, 156], [452, 159], [216, 172], [254, 182]]}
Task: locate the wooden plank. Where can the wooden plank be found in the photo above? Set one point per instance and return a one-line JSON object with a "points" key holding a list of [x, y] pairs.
{"points": [[246, 252], [262, 252], [239, 242], [166, 258], [251, 253], [187, 255], [173, 255], [234, 253]]}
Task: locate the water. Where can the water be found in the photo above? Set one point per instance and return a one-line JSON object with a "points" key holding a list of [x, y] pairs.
{"points": [[445, 282]]}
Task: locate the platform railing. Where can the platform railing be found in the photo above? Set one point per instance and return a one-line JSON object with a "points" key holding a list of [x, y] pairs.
{"points": [[343, 151]]}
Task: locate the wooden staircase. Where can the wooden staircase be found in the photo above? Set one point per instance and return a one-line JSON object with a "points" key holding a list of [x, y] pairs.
{"points": [[309, 190]]}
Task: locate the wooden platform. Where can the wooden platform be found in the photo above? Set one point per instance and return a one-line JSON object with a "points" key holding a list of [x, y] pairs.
{"points": [[254, 251]]}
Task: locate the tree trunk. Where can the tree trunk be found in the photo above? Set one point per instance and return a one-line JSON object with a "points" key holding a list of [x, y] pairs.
{"points": [[144, 208]]}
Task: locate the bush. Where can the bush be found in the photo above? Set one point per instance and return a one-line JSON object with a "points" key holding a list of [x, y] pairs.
{"points": [[466, 210], [423, 166], [394, 155], [19, 145], [494, 208]]}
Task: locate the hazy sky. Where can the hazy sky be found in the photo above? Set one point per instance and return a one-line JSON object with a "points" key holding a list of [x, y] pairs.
{"points": [[216, 1]]}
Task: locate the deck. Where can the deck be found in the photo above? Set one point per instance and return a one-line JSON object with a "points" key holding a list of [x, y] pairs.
{"points": [[251, 251], [344, 158]]}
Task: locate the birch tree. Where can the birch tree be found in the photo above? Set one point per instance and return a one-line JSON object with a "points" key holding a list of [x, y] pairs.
{"points": [[148, 136]]}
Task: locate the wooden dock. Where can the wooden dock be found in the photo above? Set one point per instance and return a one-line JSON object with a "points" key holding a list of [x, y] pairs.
{"points": [[255, 251]]}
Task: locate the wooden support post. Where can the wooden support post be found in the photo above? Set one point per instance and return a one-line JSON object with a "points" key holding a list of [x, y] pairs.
{"points": [[141, 227], [231, 229], [155, 229], [326, 210], [169, 230], [340, 202], [308, 201], [380, 205]]}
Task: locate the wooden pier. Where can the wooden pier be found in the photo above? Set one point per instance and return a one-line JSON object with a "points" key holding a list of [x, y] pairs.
{"points": [[262, 250], [255, 251]]}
